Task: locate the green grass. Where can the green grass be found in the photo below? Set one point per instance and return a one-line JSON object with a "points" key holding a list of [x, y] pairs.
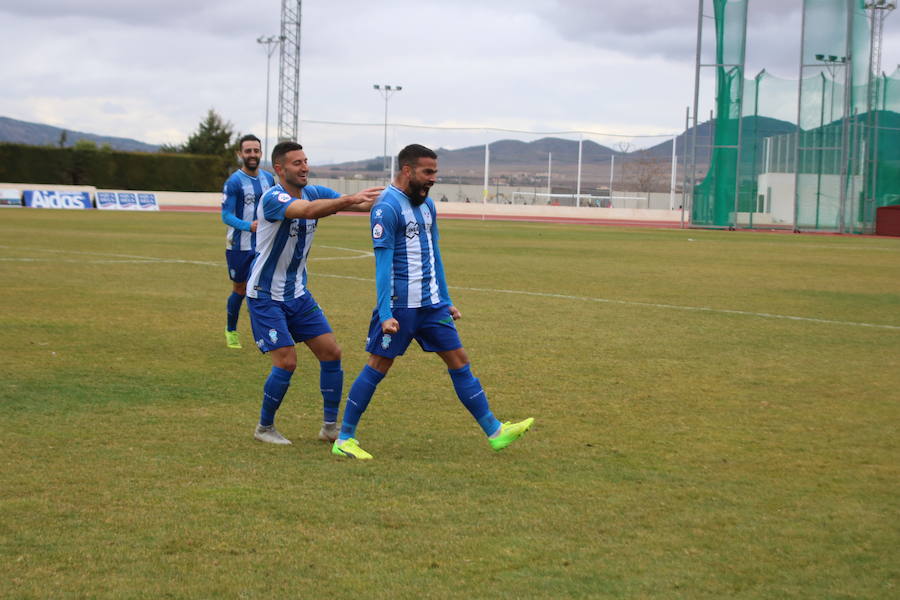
{"points": [[726, 452]]}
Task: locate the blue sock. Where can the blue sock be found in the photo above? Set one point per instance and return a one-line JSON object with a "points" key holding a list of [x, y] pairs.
{"points": [[234, 310], [331, 384], [273, 393], [472, 395], [358, 399]]}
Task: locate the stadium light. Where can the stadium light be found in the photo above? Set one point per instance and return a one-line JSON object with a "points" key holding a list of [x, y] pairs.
{"points": [[386, 92], [271, 43]]}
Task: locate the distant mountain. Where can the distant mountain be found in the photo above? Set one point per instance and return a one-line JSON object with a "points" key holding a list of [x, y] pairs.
{"points": [[35, 134], [761, 127], [506, 156]]}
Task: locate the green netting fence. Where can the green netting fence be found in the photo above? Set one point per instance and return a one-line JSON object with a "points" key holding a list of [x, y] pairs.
{"points": [[821, 153]]}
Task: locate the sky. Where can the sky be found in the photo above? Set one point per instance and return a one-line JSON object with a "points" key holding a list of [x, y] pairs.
{"points": [[621, 72]]}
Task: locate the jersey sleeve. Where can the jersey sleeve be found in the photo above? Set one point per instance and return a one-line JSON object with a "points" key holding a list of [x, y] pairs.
{"points": [[320, 192], [274, 205], [384, 262], [383, 219], [229, 205]]}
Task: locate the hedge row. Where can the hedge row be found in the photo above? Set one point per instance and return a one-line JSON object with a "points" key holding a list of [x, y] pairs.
{"points": [[111, 169]]}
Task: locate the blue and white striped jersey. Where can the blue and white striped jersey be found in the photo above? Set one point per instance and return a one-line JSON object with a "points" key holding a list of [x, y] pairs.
{"points": [[282, 245], [240, 196], [411, 231]]}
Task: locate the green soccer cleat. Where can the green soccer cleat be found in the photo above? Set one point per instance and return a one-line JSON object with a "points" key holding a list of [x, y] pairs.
{"points": [[510, 433], [350, 449], [232, 339]]}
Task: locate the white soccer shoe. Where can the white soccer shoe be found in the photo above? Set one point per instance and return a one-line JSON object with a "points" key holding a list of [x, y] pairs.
{"points": [[270, 435]]}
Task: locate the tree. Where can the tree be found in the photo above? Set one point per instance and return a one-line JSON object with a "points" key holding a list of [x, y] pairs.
{"points": [[85, 145], [214, 136], [63, 138]]}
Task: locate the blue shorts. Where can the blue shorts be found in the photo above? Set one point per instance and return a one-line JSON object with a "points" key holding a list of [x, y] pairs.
{"points": [[239, 262], [431, 326], [277, 324]]}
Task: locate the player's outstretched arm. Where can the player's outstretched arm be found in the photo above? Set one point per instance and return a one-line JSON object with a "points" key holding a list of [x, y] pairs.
{"points": [[365, 199], [304, 209]]}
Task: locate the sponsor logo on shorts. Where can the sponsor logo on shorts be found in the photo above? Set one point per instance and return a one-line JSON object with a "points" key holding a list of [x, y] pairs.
{"points": [[385, 341], [273, 335], [260, 343], [377, 231]]}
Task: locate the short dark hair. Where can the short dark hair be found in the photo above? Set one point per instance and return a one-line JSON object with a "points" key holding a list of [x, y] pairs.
{"points": [[412, 153], [248, 138], [282, 148]]}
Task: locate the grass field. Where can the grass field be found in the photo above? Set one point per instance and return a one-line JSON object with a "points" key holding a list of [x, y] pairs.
{"points": [[717, 417]]}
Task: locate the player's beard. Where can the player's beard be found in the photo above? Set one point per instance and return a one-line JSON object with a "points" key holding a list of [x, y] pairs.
{"points": [[417, 193], [252, 163]]}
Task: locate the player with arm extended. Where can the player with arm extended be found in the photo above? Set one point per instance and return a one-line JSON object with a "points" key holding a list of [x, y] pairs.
{"points": [[413, 303], [241, 195], [282, 311]]}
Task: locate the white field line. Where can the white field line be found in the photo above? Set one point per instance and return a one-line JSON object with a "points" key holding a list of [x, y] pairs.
{"points": [[724, 311], [364, 254]]}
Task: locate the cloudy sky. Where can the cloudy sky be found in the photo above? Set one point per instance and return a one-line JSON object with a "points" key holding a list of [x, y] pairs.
{"points": [[614, 69]]}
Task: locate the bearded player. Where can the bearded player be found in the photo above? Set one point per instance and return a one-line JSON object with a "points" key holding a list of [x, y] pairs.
{"points": [[241, 195], [413, 304]]}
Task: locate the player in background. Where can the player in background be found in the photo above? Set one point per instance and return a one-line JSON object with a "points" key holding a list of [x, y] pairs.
{"points": [[282, 311], [242, 192], [413, 303]]}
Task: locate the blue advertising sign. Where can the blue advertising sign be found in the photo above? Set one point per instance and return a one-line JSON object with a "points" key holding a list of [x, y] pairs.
{"points": [[127, 200], [107, 200], [55, 199], [148, 201]]}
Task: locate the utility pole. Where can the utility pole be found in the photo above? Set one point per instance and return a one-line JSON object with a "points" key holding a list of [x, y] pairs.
{"points": [[271, 43], [386, 92]]}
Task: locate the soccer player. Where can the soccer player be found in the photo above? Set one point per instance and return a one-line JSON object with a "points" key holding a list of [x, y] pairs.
{"points": [[282, 311], [413, 303], [242, 192]]}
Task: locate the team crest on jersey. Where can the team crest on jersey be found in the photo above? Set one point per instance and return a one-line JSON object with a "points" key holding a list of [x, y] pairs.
{"points": [[426, 216], [284, 197], [385, 341], [377, 231], [273, 335], [412, 229]]}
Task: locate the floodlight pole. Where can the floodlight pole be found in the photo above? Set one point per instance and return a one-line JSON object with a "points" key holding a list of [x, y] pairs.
{"points": [[386, 92], [271, 43]]}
